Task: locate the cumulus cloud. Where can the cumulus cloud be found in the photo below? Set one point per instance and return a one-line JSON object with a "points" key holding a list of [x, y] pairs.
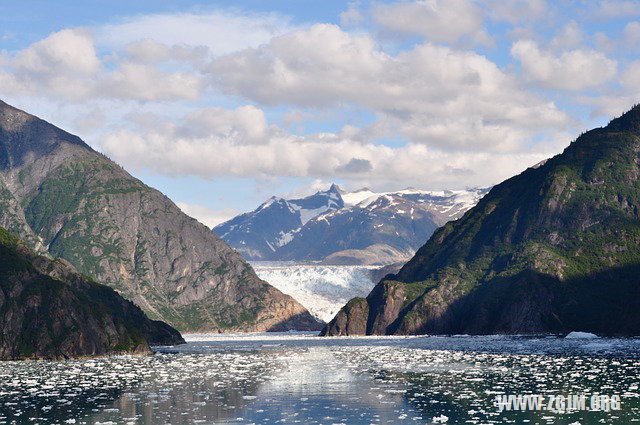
{"points": [[436, 20], [89, 121], [64, 63], [355, 166], [166, 149], [221, 31], [516, 11], [618, 9], [351, 16], [64, 51], [431, 94], [571, 35], [150, 58], [573, 70], [65, 66], [631, 34], [631, 77], [143, 82], [456, 117], [148, 51]]}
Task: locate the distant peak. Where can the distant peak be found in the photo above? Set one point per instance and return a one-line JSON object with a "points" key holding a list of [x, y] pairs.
{"points": [[629, 121], [335, 188]]}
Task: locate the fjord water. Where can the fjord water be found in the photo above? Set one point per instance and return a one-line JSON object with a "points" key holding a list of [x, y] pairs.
{"points": [[300, 378]]}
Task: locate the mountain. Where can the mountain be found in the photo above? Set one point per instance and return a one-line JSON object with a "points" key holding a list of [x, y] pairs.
{"points": [[554, 249], [339, 227], [258, 234], [67, 200], [48, 310]]}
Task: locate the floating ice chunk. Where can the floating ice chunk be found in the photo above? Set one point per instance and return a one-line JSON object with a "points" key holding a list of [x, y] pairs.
{"points": [[581, 335]]}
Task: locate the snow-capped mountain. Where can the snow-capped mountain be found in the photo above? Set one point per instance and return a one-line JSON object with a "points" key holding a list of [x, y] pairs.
{"points": [[338, 227]]}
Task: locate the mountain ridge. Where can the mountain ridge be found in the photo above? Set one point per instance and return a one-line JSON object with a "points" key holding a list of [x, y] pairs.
{"points": [[65, 199], [338, 227], [553, 249]]}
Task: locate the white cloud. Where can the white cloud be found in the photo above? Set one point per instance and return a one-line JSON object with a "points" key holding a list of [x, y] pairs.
{"points": [[618, 9], [436, 95], [603, 42], [631, 35], [246, 125], [89, 121], [573, 70], [570, 36], [69, 50], [465, 120], [436, 20], [147, 58], [165, 149], [352, 15], [149, 51], [631, 77], [516, 11], [64, 64], [143, 82], [207, 216], [220, 31]]}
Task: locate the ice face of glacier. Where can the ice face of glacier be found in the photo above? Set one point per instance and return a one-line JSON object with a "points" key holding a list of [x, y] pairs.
{"points": [[323, 290]]}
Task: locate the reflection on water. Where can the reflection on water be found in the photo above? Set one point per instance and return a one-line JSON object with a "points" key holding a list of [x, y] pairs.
{"points": [[298, 378]]}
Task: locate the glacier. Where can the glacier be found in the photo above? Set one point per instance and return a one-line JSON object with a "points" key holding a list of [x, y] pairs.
{"points": [[322, 289]]}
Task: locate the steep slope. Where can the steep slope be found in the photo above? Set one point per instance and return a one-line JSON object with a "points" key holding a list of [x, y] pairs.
{"points": [[554, 249], [64, 198], [47, 310], [338, 227], [259, 234]]}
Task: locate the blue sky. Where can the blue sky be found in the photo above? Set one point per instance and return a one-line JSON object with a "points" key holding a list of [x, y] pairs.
{"points": [[222, 104]]}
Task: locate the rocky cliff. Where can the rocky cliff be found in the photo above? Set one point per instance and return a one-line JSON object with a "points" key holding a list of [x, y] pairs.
{"points": [[48, 310], [64, 198], [554, 249]]}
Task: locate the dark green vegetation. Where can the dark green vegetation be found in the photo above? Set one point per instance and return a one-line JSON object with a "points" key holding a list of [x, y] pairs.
{"points": [[554, 249], [48, 310], [63, 198]]}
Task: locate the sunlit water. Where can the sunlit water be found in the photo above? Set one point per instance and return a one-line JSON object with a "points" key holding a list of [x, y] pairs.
{"points": [[299, 378]]}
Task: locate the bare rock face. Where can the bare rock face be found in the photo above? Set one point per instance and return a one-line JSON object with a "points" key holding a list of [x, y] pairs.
{"points": [[552, 250], [350, 320], [67, 200], [48, 310]]}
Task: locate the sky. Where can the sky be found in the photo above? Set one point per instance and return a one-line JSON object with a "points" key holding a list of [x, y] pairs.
{"points": [[222, 104]]}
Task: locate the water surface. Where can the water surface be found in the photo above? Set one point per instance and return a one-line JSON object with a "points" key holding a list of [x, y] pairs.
{"points": [[300, 378]]}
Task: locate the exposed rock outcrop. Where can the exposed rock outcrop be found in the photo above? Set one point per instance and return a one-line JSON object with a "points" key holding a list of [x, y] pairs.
{"points": [[48, 310]]}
